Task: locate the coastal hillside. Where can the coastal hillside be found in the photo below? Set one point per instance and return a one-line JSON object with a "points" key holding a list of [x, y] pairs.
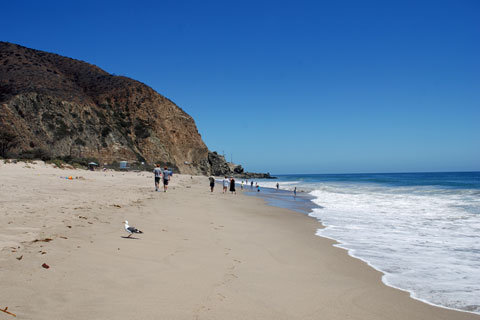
{"points": [[57, 107]]}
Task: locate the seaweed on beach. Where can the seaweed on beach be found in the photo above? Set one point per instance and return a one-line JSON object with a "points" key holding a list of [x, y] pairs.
{"points": [[42, 240]]}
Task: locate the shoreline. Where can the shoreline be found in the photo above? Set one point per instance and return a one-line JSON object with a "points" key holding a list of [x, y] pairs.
{"points": [[271, 200], [202, 255], [385, 282]]}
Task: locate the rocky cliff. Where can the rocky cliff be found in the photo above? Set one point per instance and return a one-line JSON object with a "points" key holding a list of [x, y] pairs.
{"points": [[220, 167], [57, 107]]}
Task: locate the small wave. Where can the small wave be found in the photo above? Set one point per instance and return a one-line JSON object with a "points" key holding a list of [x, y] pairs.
{"points": [[414, 235]]}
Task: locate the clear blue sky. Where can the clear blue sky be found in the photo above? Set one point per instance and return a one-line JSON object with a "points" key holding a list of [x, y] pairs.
{"points": [[290, 86]]}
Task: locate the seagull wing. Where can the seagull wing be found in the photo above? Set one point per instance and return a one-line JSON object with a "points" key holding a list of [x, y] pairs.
{"points": [[134, 230]]}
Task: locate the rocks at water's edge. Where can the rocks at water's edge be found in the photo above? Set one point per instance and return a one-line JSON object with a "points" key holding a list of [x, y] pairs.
{"points": [[220, 167], [252, 175]]}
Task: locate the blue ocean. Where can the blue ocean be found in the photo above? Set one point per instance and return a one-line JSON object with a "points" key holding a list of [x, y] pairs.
{"points": [[422, 230]]}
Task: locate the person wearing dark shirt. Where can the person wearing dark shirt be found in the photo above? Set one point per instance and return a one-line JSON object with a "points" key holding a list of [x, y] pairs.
{"points": [[212, 183], [232, 185]]}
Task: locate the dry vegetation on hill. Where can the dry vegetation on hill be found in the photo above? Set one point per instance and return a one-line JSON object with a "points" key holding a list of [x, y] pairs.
{"points": [[56, 107]]}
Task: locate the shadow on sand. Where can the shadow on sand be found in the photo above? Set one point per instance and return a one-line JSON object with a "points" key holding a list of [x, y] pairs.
{"points": [[132, 238]]}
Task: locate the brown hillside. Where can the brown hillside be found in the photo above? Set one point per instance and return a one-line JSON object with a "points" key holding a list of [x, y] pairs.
{"points": [[65, 107]]}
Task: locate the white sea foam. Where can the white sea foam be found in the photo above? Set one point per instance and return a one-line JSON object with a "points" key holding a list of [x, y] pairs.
{"points": [[284, 185], [425, 240]]}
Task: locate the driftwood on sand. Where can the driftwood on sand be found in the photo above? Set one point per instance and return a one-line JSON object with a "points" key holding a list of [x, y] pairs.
{"points": [[8, 312]]}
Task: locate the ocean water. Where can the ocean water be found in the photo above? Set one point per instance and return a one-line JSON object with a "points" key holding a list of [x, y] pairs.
{"points": [[422, 230]]}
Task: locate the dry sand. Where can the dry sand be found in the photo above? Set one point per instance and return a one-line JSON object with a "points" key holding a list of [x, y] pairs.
{"points": [[202, 255]]}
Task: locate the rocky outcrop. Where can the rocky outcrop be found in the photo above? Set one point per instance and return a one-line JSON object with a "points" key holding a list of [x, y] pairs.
{"points": [[60, 107], [218, 165], [253, 175], [238, 169]]}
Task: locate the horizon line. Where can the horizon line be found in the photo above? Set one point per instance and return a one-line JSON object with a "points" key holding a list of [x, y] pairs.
{"points": [[405, 172]]}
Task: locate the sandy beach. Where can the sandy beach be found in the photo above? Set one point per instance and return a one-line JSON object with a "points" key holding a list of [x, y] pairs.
{"points": [[203, 255]]}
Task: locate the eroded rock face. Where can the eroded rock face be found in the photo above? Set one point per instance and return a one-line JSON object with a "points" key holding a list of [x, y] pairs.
{"points": [[65, 107], [218, 165]]}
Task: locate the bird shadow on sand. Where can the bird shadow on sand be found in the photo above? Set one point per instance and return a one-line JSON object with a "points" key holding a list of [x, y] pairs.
{"points": [[132, 238]]}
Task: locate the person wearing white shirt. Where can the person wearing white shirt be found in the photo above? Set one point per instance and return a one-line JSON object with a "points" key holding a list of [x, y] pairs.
{"points": [[226, 183]]}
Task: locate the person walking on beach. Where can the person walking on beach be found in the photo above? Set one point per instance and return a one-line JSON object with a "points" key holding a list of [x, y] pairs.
{"points": [[258, 188], [278, 185], [166, 178], [232, 186], [295, 192], [241, 186], [157, 173], [251, 184], [225, 184], [212, 183]]}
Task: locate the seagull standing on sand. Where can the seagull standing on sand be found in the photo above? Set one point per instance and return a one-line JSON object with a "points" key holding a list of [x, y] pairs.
{"points": [[130, 230]]}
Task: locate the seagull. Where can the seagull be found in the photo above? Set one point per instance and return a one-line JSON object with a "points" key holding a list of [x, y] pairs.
{"points": [[130, 230]]}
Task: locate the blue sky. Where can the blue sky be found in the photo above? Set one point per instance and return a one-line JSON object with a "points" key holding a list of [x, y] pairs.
{"points": [[290, 86]]}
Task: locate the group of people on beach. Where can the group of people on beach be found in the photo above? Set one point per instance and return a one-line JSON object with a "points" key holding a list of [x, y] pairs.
{"points": [[228, 183], [165, 174]]}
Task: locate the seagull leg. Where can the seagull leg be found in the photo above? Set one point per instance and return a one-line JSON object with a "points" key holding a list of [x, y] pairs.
{"points": [[129, 235]]}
